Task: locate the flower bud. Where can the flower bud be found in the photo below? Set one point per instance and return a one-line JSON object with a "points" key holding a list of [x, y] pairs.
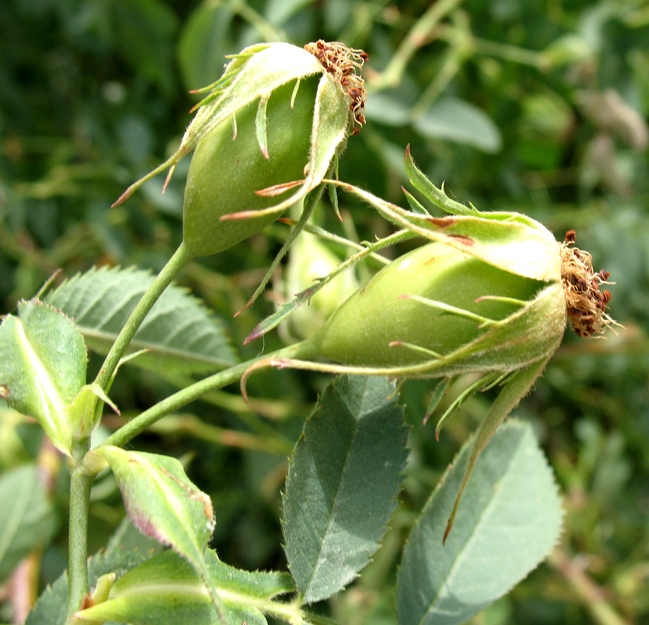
{"points": [[492, 292], [265, 136], [440, 307], [226, 171]]}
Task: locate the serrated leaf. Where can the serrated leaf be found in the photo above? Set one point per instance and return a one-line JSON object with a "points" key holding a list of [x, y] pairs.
{"points": [[161, 501], [42, 366], [166, 590], [120, 556], [342, 484], [459, 121], [28, 522], [180, 332], [509, 521]]}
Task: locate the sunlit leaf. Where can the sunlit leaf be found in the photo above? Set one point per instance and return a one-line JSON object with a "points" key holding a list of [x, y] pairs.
{"points": [[180, 332], [42, 367], [167, 590], [509, 520], [342, 485]]}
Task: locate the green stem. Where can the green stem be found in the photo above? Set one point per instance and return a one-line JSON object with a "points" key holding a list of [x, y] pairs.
{"points": [[80, 485], [418, 36], [180, 258], [196, 390]]}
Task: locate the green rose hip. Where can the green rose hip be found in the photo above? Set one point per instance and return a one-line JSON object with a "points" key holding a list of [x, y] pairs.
{"points": [[226, 170], [385, 324], [266, 135]]}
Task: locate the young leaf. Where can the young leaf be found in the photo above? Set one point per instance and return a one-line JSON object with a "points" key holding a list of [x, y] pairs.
{"points": [[43, 367], [342, 484], [161, 501], [181, 333], [509, 521], [167, 590], [28, 522]]}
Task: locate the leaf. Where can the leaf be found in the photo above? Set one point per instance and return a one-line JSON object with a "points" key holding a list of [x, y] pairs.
{"points": [[42, 366], [161, 501], [509, 521], [28, 523], [144, 34], [166, 589], [123, 553], [388, 109], [180, 332], [459, 121], [203, 44], [342, 484]]}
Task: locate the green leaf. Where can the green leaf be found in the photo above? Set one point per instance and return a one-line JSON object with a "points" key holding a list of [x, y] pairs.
{"points": [[161, 501], [28, 522], [180, 332], [42, 366], [203, 44], [388, 109], [459, 121], [509, 521], [342, 484], [144, 34], [166, 589], [123, 553]]}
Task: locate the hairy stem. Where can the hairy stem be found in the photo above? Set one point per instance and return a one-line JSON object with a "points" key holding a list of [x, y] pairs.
{"points": [[196, 390], [176, 263]]}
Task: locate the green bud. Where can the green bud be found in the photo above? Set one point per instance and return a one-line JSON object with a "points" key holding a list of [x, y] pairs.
{"points": [[493, 292], [441, 308], [267, 133], [226, 171]]}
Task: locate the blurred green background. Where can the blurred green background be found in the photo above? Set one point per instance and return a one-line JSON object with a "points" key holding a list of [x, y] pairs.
{"points": [[538, 106]]}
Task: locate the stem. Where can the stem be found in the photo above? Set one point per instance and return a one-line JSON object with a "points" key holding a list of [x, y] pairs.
{"points": [[180, 258], [591, 595], [80, 485], [416, 38], [196, 390]]}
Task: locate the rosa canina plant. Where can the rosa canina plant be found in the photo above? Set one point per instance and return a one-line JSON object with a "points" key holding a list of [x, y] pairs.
{"points": [[486, 296]]}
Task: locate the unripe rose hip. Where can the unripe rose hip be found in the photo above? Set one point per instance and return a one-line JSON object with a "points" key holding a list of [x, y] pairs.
{"points": [[226, 171], [381, 324], [266, 135]]}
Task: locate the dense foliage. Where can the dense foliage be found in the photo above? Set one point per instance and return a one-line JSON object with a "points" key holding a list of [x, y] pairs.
{"points": [[537, 107]]}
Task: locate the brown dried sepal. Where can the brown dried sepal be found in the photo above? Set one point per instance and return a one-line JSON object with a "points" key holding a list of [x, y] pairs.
{"points": [[586, 304], [343, 63]]}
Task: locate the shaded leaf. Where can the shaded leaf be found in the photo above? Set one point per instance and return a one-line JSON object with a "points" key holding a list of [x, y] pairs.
{"points": [[27, 523], [459, 121], [342, 484], [509, 521], [43, 366], [166, 589], [202, 46], [180, 331]]}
